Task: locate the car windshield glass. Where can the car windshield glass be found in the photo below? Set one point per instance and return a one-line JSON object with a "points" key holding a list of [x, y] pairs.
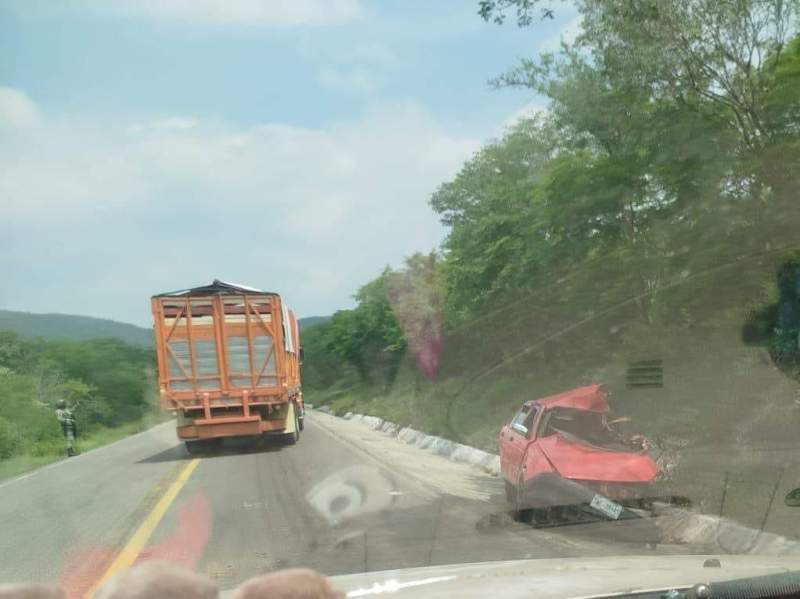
{"points": [[363, 286], [592, 428]]}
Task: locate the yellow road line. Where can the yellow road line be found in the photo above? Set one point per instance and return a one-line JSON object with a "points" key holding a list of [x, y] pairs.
{"points": [[137, 542]]}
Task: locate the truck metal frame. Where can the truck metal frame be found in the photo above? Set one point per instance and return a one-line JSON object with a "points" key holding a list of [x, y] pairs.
{"points": [[228, 362]]}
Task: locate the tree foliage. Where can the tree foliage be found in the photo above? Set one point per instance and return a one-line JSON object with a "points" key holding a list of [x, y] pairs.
{"points": [[670, 125], [697, 53], [368, 338], [670, 151]]}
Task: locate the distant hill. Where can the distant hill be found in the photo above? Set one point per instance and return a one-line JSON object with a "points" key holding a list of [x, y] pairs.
{"points": [[310, 321], [67, 326]]}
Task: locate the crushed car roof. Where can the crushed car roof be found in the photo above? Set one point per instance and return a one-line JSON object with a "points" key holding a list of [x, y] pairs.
{"points": [[217, 287], [591, 398]]}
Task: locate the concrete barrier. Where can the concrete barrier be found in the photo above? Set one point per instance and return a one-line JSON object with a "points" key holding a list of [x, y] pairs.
{"points": [[408, 435], [721, 535], [457, 452], [390, 428], [372, 422]]}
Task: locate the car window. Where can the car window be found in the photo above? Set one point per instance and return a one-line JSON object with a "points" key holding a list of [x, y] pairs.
{"points": [[523, 421]]}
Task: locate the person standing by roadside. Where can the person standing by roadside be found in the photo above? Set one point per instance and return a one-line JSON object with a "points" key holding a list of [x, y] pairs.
{"points": [[66, 417]]}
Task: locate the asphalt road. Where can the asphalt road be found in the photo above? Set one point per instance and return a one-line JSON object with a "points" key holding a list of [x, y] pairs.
{"points": [[327, 503]]}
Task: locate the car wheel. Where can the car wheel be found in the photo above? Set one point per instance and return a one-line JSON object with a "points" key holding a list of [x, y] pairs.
{"points": [[540, 516], [521, 513], [511, 493]]}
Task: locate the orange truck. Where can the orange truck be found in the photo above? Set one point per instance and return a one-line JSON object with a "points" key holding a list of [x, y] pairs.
{"points": [[228, 364]]}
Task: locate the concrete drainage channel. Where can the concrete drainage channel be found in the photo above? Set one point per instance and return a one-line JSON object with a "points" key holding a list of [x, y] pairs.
{"points": [[719, 535]]}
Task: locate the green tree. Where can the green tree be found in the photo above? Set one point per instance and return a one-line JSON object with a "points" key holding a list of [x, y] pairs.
{"points": [[13, 351], [695, 52], [682, 121], [369, 337], [496, 225]]}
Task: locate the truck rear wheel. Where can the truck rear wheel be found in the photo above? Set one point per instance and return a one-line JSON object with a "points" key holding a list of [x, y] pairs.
{"points": [[294, 437]]}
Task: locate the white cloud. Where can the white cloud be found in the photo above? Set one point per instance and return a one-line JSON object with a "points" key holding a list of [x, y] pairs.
{"points": [[568, 34], [361, 67], [16, 109], [352, 80], [271, 13], [376, 53], [529, 110], [101, 215], [177, 123]]}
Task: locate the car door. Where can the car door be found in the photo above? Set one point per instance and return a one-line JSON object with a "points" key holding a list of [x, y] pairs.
{"points": [[514, 440]]}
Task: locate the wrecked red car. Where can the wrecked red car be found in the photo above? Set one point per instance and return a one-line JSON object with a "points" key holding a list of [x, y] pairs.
{"points": [[563, 454]]}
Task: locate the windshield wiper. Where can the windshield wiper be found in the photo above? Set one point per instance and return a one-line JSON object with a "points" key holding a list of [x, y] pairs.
{"points": [[770, 586]]}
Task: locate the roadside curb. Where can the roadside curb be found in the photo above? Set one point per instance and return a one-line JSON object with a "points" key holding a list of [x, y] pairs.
{"points": [[457, 452], [724, 535], [677, 525]]}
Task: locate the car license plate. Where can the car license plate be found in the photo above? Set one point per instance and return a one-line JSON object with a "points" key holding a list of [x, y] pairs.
{"points": [[606, 506]]}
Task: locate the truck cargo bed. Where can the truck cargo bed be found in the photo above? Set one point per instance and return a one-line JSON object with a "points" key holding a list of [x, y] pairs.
{"points": [[228, 359]]}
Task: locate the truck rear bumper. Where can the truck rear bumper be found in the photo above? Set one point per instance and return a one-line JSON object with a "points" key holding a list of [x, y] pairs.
{"points": [[215, 428]]}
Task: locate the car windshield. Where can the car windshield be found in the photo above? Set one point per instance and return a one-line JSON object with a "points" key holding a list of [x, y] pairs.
{"points": [[357, 286]]}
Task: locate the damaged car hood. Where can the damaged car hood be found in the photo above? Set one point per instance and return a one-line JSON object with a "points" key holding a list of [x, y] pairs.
{"points": [[585, 462]]}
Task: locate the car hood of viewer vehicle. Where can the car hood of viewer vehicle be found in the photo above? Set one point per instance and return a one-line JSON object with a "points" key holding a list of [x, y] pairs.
{"points": [[584, 462], [563, 577]]}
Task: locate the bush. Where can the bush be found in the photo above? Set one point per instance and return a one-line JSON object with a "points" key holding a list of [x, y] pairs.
{"points": [[343, 405], [9, 439]]}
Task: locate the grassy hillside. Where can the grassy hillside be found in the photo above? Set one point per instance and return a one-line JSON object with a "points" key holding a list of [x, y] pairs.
{"points": [[310, 321], [717, 386], [75, 328], [637, 229]]}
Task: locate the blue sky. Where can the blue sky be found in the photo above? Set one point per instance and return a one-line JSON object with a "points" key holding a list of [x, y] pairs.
{"points": [[287, 144]]}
